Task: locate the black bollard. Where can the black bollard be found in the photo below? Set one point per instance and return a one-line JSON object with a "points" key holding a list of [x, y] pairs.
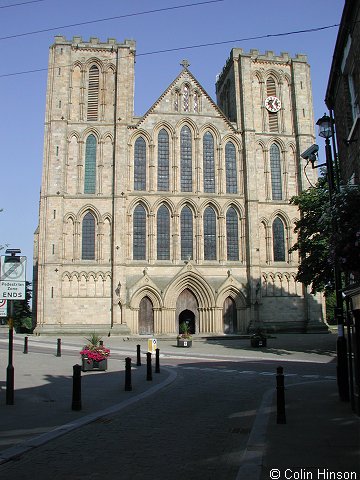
{"points": [[76, 396], [26, 344], [128, 386], [58, 351], [157, 361], [148, 365], [138, 363], [280, 393]]}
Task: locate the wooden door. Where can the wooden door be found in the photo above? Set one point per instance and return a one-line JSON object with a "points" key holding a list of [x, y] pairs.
{"points": [[146, 317]]}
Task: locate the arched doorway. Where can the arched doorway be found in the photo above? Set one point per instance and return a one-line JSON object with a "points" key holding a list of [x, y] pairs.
{"points": [[187, 310], [229, 316], [188, 317], [146, 317]]}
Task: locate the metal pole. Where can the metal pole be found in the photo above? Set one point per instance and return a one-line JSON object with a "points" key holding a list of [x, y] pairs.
{"points": [[342, 366], [10, 367]]}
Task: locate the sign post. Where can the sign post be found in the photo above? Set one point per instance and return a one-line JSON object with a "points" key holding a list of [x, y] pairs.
{"points": [[12, 287]]}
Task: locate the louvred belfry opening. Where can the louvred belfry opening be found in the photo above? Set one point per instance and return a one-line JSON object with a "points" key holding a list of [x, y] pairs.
{"points": [[93, 93]]}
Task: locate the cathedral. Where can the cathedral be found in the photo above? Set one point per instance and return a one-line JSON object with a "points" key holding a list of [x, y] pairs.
{"points": [[181, 214]]}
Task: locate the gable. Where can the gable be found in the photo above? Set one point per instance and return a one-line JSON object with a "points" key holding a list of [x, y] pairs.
{"points": [[186, 97]]}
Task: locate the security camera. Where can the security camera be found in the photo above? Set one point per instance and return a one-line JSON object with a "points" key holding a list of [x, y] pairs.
{"points": [[311, 153]]}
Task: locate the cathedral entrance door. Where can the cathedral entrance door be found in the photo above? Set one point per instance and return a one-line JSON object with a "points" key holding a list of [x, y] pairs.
{"points": [[229, 315], [188, 317], [146, 317]]}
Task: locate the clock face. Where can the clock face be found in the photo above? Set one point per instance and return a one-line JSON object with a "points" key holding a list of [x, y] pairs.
{"points": [[273, 104]]}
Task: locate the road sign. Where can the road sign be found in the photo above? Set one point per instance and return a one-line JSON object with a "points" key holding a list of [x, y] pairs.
{"points": [[3, 308], [152, 345], [12, 290], [13, 268]]}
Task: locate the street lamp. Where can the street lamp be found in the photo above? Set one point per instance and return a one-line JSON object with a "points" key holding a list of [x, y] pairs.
{"points": [[326, 130]]}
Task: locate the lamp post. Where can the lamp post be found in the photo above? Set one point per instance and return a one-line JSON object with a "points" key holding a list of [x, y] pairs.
{"points": [[326, 131]]}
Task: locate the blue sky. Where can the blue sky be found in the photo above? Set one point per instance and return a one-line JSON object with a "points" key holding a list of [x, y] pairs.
{"points": [[23, 95]]}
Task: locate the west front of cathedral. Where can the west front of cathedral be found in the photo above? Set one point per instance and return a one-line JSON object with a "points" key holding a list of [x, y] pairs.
{"points": [[180, 215]]}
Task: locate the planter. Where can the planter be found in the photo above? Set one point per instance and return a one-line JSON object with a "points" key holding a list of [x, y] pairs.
{"points": [[258, 342], [91, 365], [184, 343]]}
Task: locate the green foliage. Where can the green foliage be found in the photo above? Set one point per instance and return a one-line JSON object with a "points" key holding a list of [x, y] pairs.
{"points": [[320, 241], [184, 328], [330, 299], [94, 339], [22, 311], [22, 307]]}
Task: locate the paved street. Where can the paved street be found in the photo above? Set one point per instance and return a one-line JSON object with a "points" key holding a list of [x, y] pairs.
{"points": [[205, 420]]}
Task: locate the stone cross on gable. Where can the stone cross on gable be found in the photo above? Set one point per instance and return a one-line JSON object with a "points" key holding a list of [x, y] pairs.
{"points": [[185, 63]]}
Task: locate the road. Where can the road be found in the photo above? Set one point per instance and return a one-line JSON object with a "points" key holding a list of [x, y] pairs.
{"points": [[196, 428]]}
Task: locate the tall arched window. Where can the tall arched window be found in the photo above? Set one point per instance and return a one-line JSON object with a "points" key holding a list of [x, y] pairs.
{"points": [[275, 167], [90, 165], [230, 168], [163, 161], [185, 159], [209, 234], [163, 233], [88, 237], [139, 233], [140, 164], [186, 232], [209, 163], [232, 234], [278, 240], [93, 93]]}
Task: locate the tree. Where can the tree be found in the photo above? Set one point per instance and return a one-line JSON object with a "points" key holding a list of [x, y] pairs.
{"points": [[326, 234], [22, 311]]}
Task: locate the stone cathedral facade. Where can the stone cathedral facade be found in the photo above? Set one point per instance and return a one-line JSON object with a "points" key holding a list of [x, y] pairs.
{"points": [[181, 214]]}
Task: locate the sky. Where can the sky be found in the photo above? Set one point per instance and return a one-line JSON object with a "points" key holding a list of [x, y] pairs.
{"points": [[226, 23]]}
